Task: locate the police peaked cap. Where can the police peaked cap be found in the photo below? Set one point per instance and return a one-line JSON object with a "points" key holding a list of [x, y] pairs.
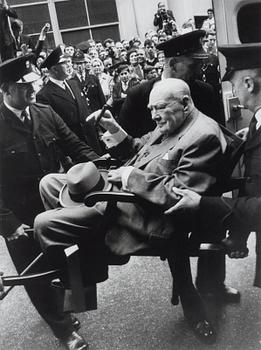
{"points": [[241, 56], [19, 70], [55, 57], [186, 44]]}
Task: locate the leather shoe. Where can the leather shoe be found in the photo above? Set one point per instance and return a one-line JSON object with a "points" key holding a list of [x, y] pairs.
{"points": [[75, 342], [76, 323], [204, 331], [223, 294]]}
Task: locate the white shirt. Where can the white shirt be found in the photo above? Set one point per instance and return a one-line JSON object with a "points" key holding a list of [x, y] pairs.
{"points": [[112, 140], [258, 118], [18, 112]]}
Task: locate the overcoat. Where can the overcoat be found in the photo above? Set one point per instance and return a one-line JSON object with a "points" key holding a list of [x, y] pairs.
{"points": [[73, 109]]}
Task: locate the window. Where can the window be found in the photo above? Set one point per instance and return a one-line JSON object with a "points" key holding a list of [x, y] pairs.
{"points": [[71, 14], [34, 17], [102, 11]]}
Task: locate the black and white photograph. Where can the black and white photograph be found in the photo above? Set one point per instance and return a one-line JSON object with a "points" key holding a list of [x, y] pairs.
{"points": [[130, 174]]}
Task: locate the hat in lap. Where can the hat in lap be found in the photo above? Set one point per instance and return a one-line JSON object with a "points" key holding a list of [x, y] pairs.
{"points": [[82, 179], [19, 70]]}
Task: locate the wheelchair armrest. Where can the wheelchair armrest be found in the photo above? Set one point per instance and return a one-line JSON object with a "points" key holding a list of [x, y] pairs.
{"points": [[104, 163], [107, 196]]}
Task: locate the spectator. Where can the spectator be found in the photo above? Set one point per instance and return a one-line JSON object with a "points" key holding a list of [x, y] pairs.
{"points": [[121, 88], [69, 50], [20, 38], [209, 24], [141, 56], [151, 53], [135, 69], [123, 55], [125, 44], [150, 73], [107, 63], [66, 99], [99, 46], [88, 83], [104, 79], [163, 17], [6, 35], [162, 37], [93, 53]]}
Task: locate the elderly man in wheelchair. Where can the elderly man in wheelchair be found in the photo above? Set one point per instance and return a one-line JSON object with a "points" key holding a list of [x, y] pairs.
{"points": [[186, 150]]}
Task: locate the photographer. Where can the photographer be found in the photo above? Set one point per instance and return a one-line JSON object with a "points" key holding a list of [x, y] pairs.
{"points": [[163, 18]]}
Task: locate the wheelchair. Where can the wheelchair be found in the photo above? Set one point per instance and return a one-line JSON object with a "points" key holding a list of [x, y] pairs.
{"points": [[178, 258]]}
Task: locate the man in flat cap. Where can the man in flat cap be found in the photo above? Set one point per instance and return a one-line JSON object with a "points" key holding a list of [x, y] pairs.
{"points": [[184, 55], [240, 215], [32, 136], [66, 98]]}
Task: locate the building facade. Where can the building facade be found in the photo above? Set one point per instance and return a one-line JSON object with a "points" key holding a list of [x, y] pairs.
{"points": [[74, 21]]}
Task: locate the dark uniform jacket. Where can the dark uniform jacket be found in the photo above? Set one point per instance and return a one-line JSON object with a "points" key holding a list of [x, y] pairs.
{"points": [[236, 214], [91, 88], [73, 111], [135, 117], [26, 155]]}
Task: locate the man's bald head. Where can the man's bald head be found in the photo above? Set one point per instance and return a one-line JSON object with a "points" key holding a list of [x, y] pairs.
{"points": [[170, 104], [170, 89]]}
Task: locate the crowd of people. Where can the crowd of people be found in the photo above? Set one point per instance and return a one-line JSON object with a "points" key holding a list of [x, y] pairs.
{"points": [[153, 104]]}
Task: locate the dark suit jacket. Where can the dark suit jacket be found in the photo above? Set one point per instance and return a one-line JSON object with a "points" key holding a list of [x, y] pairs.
{"points": [[252, 160], [26, 156], [73, 111], [135, 117], [91, 88], [190, 158]]}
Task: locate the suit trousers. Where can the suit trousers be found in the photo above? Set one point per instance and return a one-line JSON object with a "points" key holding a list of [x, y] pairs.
{"points": [[59, 228], [47, 300]]}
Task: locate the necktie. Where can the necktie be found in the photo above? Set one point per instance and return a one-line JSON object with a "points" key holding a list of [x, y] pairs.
{"points": [[26, 121]]}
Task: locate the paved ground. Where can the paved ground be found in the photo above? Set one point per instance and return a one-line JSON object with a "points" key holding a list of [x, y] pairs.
{"points": [[135, 313]]}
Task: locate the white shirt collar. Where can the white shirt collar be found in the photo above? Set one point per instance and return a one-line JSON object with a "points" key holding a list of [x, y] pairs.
{"points": [[60, 83], [258, 118], [17, 112]]}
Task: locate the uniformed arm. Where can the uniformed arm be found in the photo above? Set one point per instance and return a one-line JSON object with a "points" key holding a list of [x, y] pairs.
{"points": [[196, 170], [71, 144], [235, 214]]}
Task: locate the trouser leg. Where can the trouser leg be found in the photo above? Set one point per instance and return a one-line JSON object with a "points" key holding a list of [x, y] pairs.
{"points": [[192, 304], [47, 300], [49, 189], [211, 268]]}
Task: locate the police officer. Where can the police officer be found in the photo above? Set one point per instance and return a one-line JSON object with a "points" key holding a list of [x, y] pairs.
{"points": [[32, 137]]}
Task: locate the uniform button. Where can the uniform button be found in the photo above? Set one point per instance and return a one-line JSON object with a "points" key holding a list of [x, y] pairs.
{"points": [[34, 137], [39, 154]]}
